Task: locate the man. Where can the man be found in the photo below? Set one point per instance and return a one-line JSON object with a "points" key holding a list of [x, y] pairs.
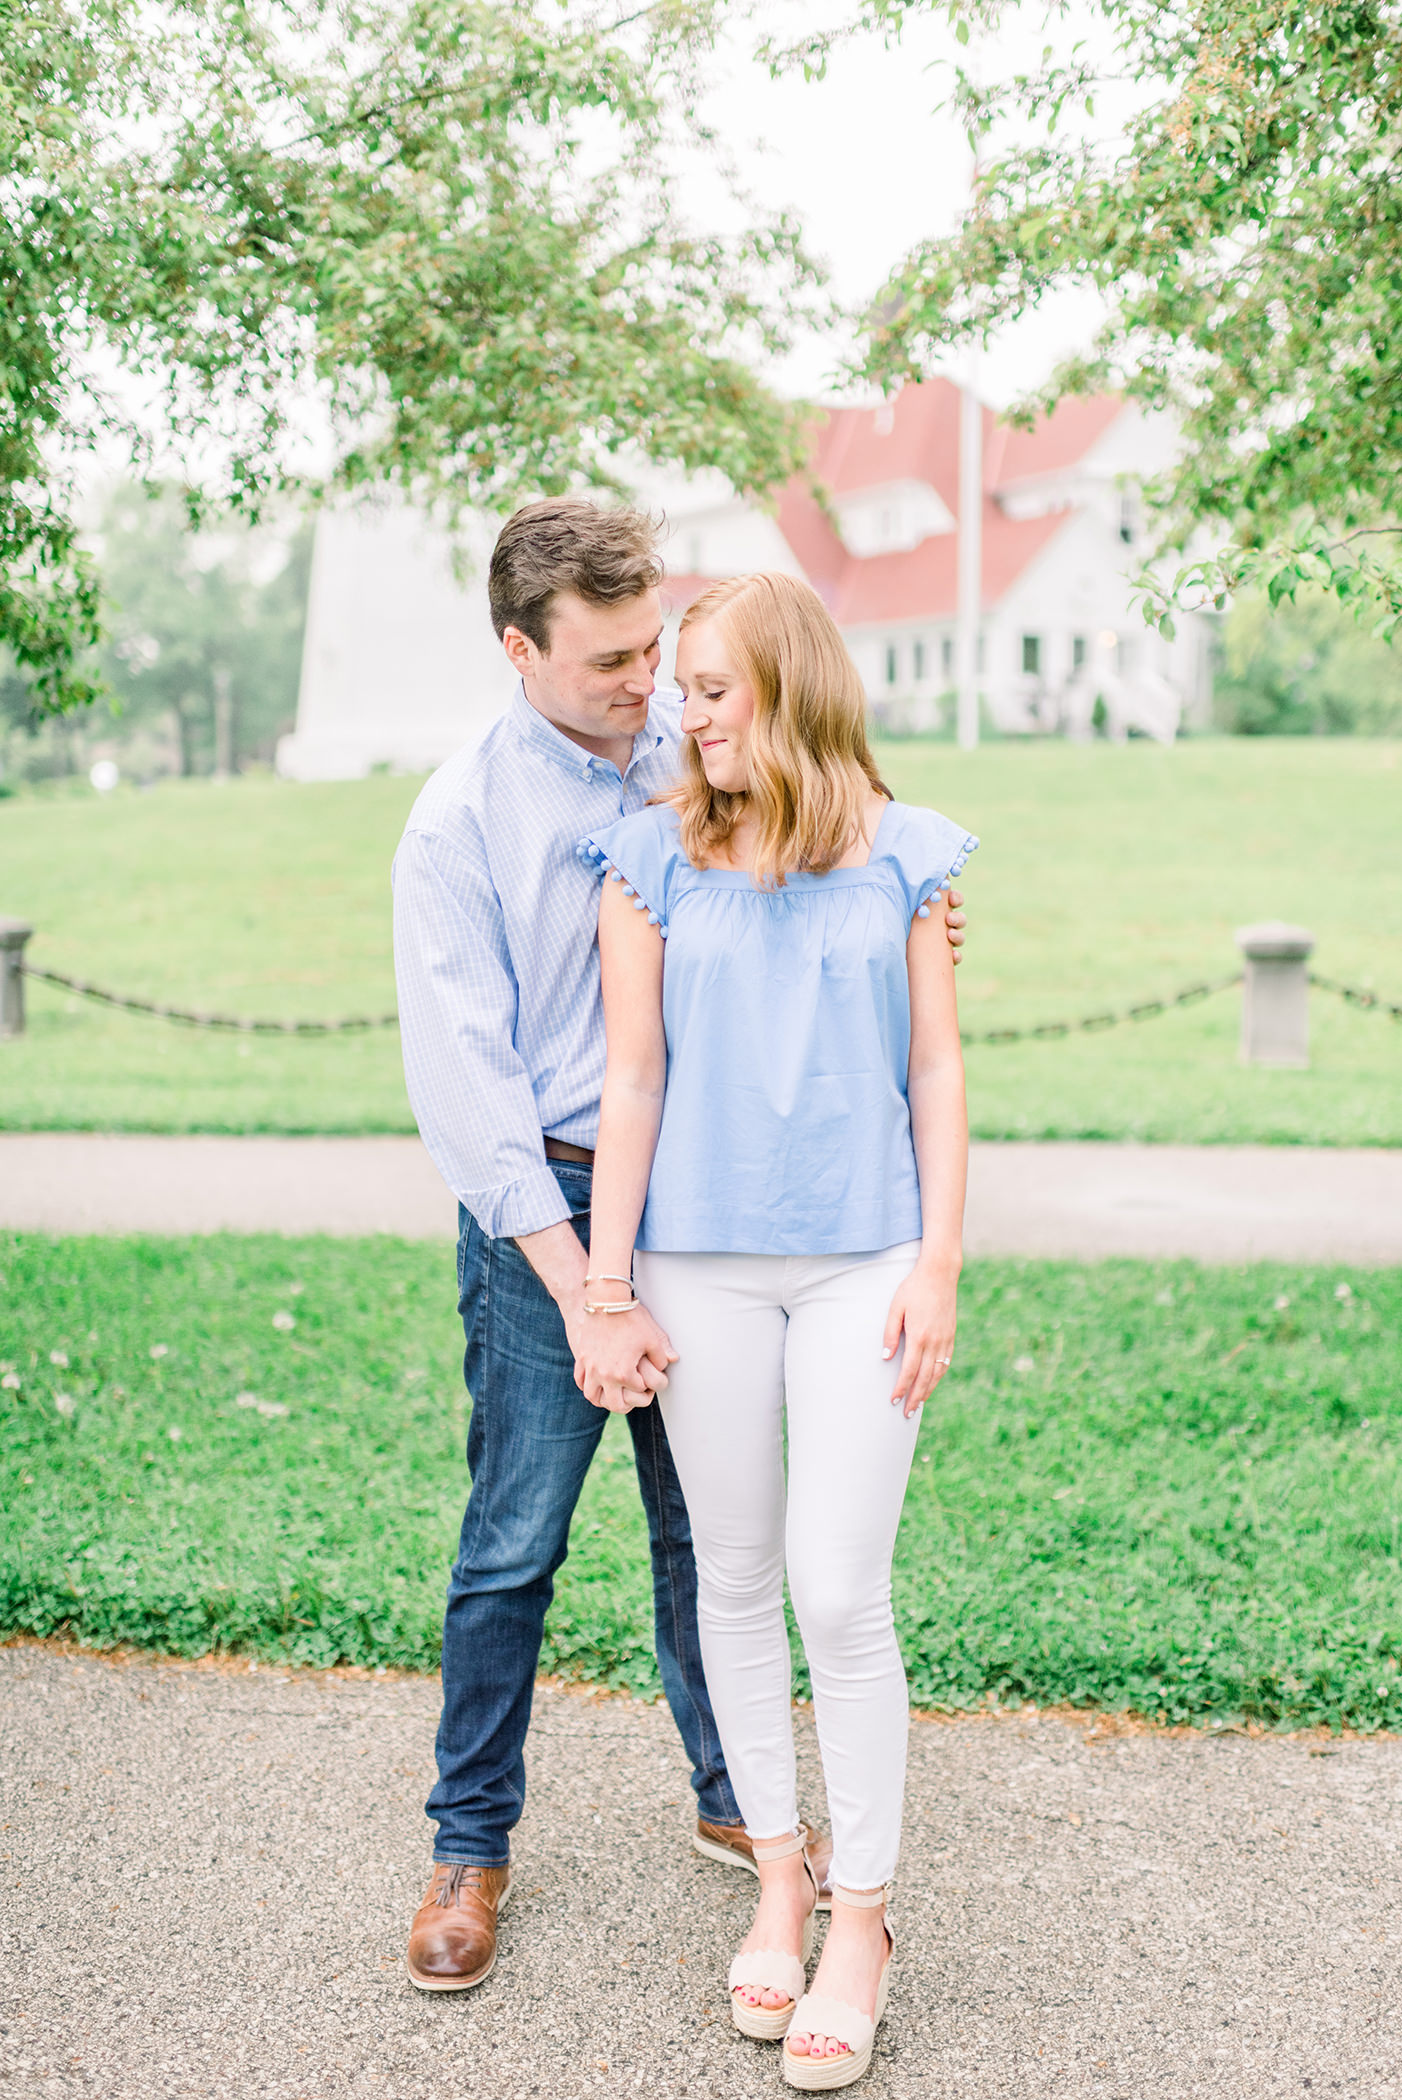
{"points": [[494, 925]]}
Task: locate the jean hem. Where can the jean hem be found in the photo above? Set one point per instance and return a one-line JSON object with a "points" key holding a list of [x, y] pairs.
{"points": [[721, 1816], [461, 1859]]}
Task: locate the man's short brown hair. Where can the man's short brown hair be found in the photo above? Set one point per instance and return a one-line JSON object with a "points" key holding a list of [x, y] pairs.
{"points": [[567, 543]]}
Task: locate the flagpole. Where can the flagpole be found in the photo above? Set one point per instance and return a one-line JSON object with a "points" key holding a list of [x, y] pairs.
{"points": [[970, 577]]}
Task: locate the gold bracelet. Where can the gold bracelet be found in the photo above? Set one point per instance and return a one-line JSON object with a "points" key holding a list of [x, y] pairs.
{"points": [[604, 1277]]}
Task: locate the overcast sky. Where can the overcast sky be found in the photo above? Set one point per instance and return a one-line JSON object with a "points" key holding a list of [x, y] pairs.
{"points": [[864, 163], [869, 169]]}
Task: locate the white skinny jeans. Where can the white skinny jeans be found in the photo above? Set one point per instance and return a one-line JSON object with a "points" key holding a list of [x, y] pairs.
{"points": [[756, 1334]]}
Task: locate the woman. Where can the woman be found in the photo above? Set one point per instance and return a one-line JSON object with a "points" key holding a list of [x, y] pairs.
{"points": [[783, 1141]]}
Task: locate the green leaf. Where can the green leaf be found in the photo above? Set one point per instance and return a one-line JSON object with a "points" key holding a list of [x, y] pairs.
{"points": [[1241, 232], [401, 221]]}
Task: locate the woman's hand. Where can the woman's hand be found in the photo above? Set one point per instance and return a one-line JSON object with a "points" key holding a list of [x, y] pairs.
{"points": [[924, 1313], [620, 1359]]}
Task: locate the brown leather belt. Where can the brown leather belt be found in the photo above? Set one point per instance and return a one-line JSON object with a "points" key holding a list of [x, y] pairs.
{"points": [[578, 1155]]}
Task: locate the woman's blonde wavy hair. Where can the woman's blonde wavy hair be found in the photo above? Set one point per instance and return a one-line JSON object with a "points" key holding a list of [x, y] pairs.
{"points": [[810, 764]]}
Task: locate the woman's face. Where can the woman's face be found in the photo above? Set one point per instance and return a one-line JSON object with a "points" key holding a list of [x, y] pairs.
{"points": [[719, 705]]}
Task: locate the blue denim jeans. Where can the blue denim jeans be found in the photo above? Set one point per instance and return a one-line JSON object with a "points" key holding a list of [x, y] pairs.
{"points": [[529, 1445]]}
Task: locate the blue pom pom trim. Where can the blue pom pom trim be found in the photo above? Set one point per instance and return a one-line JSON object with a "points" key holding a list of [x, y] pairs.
{"points": [[969, 846], [598, 862], [956, 867]]}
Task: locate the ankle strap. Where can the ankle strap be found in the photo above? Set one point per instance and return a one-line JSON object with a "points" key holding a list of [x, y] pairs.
{"points": [[780, 1848], [862, 1899]]}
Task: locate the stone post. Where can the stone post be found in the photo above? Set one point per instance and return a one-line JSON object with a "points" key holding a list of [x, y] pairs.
{"points": [[1275, 994], [13, 935]]}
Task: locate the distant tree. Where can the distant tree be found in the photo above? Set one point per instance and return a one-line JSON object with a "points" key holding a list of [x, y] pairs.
{"points": [[17, 710], [449, 222], [204, 629], [1305, 669], [1245, 231]]}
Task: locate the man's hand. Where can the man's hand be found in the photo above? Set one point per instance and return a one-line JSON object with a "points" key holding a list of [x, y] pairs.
{"points": [[620, 1359], [954, 922]]}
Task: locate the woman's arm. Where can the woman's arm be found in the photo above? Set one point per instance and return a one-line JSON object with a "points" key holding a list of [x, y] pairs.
{"points": [[630, 955], [924, 1308]]}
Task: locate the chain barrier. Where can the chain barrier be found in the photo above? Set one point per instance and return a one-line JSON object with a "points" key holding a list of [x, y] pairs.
{"points": [[1093, 1023], [189, 1019], [1089, 1024], [1355, 997]]}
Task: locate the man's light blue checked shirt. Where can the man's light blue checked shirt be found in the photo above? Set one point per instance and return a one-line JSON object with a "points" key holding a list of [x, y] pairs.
{"points": [[495, 928]]}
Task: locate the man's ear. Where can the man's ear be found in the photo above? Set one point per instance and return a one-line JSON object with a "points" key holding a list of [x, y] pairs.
{"points": [[522, 653]]}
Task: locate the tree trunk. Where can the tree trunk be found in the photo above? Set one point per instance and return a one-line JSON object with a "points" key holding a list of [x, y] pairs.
{"points": [[223, 724], [184, 739]]}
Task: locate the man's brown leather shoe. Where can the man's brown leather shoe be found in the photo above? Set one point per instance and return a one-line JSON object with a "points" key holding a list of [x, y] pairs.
{"points": [[733, 1846], [453, 1939]]}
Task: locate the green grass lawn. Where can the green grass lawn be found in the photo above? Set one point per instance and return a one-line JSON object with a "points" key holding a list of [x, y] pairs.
{"points": [[1159, 1487], [1107, 875]]}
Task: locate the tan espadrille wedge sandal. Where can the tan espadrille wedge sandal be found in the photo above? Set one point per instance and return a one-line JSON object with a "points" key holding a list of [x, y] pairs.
{"points": [[765, 1969], [816, 2013]]}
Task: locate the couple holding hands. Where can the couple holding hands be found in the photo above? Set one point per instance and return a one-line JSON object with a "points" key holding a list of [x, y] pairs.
{"points": [[677, 999]]}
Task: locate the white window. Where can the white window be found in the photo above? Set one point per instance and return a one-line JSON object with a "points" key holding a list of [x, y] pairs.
{"points": [[893, 663]]}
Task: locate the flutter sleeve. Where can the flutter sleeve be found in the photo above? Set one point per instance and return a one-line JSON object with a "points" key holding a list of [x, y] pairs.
{"points": [[641, 852], [928, 851]]}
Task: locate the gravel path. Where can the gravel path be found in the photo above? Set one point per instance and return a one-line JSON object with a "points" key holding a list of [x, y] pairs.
{"points": [[206, 1875], [1079, 1201]]}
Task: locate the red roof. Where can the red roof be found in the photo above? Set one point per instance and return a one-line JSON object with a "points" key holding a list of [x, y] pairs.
{"points": [[1055, 442], [922, 582], [679, 590], [915, 437]]}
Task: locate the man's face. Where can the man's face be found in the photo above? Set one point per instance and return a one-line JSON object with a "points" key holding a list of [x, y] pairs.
{"points": [[596, 678]]}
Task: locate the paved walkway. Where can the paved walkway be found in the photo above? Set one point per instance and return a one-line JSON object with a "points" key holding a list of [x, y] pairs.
{"points": [[1085, 1201], [207, 1876]]}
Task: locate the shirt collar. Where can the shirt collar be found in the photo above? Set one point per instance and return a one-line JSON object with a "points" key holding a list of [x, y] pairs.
{"points": [[544, 737]]}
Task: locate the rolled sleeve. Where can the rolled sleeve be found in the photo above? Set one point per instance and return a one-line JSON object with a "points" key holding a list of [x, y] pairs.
{"points": [[527, 1205], [468, 1086]]}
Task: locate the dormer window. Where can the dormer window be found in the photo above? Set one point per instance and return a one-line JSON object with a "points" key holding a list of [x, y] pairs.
{"points": [[891, 519]]}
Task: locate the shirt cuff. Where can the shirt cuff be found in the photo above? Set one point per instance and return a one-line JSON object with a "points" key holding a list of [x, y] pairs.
{"points": [[531, 1204]]}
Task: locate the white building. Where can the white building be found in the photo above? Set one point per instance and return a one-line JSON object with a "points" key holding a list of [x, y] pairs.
{"points": [[400, 665], [399, 662], [1059, 629]]}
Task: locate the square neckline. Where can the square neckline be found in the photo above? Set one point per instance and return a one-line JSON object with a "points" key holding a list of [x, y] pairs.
{"points": [[732, 877]]}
